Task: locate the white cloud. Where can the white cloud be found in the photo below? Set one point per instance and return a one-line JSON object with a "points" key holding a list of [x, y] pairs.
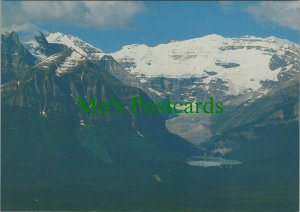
{"points": [[19, 28], [22, 16], [285, 14]]}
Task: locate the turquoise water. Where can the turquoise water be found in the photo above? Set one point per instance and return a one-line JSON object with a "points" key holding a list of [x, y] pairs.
{"points": [[211, 162]]}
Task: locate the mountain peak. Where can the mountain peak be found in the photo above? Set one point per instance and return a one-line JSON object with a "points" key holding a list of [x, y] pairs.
{"points": [[15, 58], [40, 38], [76, 43], [41, 48], [10, 34], [213, 36], [107, 57]]}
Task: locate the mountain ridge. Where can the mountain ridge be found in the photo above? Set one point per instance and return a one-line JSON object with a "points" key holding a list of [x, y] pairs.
{"points": [[133, 162], [231, 75]]}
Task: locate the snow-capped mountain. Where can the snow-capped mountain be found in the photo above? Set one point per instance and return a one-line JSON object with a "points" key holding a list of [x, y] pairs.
{"points": [[238, 71], [241, 62], [84, 48], [37, 45], [104, 60], [211, 63]]}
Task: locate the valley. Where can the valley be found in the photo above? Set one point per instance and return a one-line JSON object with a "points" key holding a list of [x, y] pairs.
{"points": [[241, 155]]}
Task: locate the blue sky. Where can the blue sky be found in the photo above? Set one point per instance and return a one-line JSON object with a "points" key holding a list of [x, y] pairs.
{"points": [[111, 27]]}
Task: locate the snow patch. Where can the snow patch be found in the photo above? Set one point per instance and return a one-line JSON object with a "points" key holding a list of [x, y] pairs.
{"points": [[70, 61], [140, 134], [32, 47], [82, 122], [156, 92], [43, 113]]}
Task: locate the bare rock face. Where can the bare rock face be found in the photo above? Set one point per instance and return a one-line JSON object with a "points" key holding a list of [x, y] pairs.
{"points": [[15, 58]]}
